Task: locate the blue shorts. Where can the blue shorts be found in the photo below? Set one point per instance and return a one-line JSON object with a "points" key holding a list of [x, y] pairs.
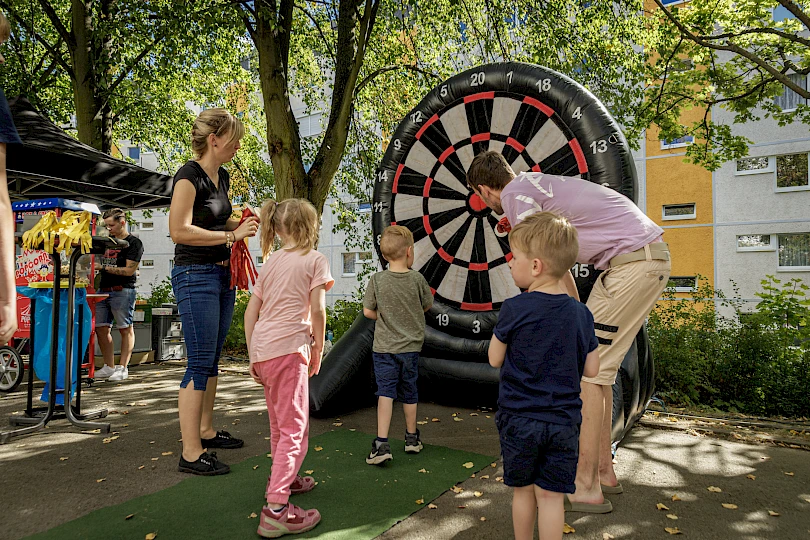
{"points": [[538, 452], [119, 306], [396, 376]]}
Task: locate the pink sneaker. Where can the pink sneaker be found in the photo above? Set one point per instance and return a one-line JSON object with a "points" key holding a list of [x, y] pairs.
{"points": [[293, 520], [302, 484]]}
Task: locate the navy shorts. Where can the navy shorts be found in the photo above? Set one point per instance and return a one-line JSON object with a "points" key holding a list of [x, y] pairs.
{"points": [[396, 376], [538, 452]]}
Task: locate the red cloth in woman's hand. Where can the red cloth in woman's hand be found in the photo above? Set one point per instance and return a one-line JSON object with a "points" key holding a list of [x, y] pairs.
{"points": [[242, 267]]}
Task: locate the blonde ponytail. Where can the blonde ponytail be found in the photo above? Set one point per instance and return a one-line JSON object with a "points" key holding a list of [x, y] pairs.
{"points": [[295, 219]]}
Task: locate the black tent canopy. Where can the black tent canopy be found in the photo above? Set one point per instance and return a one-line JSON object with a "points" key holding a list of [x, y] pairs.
{"points": [[51, 163]]}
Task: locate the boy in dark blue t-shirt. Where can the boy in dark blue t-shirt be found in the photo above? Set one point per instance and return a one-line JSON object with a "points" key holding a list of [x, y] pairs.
{"points": [[545, 341]]}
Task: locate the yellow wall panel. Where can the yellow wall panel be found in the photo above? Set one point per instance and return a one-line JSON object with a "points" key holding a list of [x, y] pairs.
{"points": [[692, 251], [671, 181]]}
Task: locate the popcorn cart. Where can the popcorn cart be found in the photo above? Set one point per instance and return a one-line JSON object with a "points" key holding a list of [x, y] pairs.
{"points": [[58, 327]]}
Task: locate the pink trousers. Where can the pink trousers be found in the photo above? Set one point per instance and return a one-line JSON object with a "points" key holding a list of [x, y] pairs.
{"points": [[286, 390]]}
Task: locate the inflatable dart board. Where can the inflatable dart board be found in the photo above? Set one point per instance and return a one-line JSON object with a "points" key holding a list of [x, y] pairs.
{"points": [[540, 120]]}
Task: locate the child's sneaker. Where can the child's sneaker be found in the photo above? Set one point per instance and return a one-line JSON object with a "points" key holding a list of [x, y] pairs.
{"points": [[301, 484], [291, 520], [413, 444], [380, 453]]}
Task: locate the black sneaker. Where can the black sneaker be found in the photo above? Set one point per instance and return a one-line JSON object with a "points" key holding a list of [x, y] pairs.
{"points": [[206, 465], [413, 444], [223, 439], [380, 453]]}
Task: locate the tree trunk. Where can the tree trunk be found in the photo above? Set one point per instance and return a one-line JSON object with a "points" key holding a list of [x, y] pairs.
{"points": [[88, 105]]}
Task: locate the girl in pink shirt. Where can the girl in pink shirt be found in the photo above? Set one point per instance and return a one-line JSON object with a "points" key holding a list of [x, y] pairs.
{"points": [[285, 323]]}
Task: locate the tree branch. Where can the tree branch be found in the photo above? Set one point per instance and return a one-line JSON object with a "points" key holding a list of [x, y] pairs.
{"points": [[57, 23], [318, 27], [132, 63], [796, 11], [48, 47], [412, 67], [731, 47], [773, 31]]}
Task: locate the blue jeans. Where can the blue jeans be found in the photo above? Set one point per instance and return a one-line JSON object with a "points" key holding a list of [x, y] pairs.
{"points": [[205, 301], [118, 306]]}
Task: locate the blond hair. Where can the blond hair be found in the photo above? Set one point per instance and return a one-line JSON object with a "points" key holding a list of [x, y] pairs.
{"points": [[548, 237], [489, 169], [295, 219], [395, 242], [5, 28], [219, 122]]}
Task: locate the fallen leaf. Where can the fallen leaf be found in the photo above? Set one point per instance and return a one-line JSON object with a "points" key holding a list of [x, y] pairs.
{"points": [[730, 506], [661, 506], [352, 429], [499, 478], [788, 474], [100, 480], [673, 419], [432, 506], [472, 475], [129, 517], [714, 489], [125, 425], [457, 419], [473, 414], [454, 414], [607, 536], [155, 458], [672, 530], [461, 506], [483, 518], [422, 470], [488, 416], [484, 476], [337, 424], [807, 499], [675, 498], [420, 501], [421, 422], [435, 420], [751, 477], [141, 467], [318, 448], [252, 515], [255, 467], [310, 471], [457, 489], [150, 536], [772, 513], [568, 529], [151, 442], [166, 453], [63, 459], [269, 455], [468, 465], [493, 465], [267, 438], [672, 516], [478, 494], [92, 431]]}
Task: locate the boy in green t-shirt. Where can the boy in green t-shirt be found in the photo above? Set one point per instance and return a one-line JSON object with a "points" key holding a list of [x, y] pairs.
{"points": [[397, 299]]}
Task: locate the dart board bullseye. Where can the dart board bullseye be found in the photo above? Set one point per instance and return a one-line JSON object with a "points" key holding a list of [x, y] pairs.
{"points": [[539, 120]]}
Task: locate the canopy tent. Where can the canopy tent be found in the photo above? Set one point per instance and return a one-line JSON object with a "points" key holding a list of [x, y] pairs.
{"points": [[51, 163]]}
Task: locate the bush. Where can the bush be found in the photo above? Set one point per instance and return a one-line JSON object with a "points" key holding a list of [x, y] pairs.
{"points": [[235, 342], [751, 363], [162, 293], [341, 316]]}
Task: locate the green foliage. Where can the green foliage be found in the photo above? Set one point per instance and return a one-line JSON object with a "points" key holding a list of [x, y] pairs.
{"points": [[235, 342], [721, 53], [341, 316], [161, 292], [752, 363]]}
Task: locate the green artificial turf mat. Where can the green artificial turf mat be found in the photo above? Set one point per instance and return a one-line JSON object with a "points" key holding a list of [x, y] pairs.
{"points": [[356, 501]]}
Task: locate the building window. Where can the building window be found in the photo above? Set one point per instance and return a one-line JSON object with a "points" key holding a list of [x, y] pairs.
{"points": [[352, 260], [789, 99], [755, 165], [680, 142], [146, 226], [363, 207], [134, 152], [171, 264], [683, 283], [259, 260], [147, 263], [756, 242], [792, 172], [794, 252], [678, 211]]}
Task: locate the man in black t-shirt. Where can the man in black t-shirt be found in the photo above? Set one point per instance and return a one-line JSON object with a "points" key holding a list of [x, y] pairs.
{"points": [[117, 268]]}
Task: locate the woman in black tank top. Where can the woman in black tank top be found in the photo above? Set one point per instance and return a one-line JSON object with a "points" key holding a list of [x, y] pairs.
{"points": [[203, 230]]}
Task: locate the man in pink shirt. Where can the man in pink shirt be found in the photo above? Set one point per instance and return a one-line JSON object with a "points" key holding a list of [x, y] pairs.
{"points": [[614, 236]]}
